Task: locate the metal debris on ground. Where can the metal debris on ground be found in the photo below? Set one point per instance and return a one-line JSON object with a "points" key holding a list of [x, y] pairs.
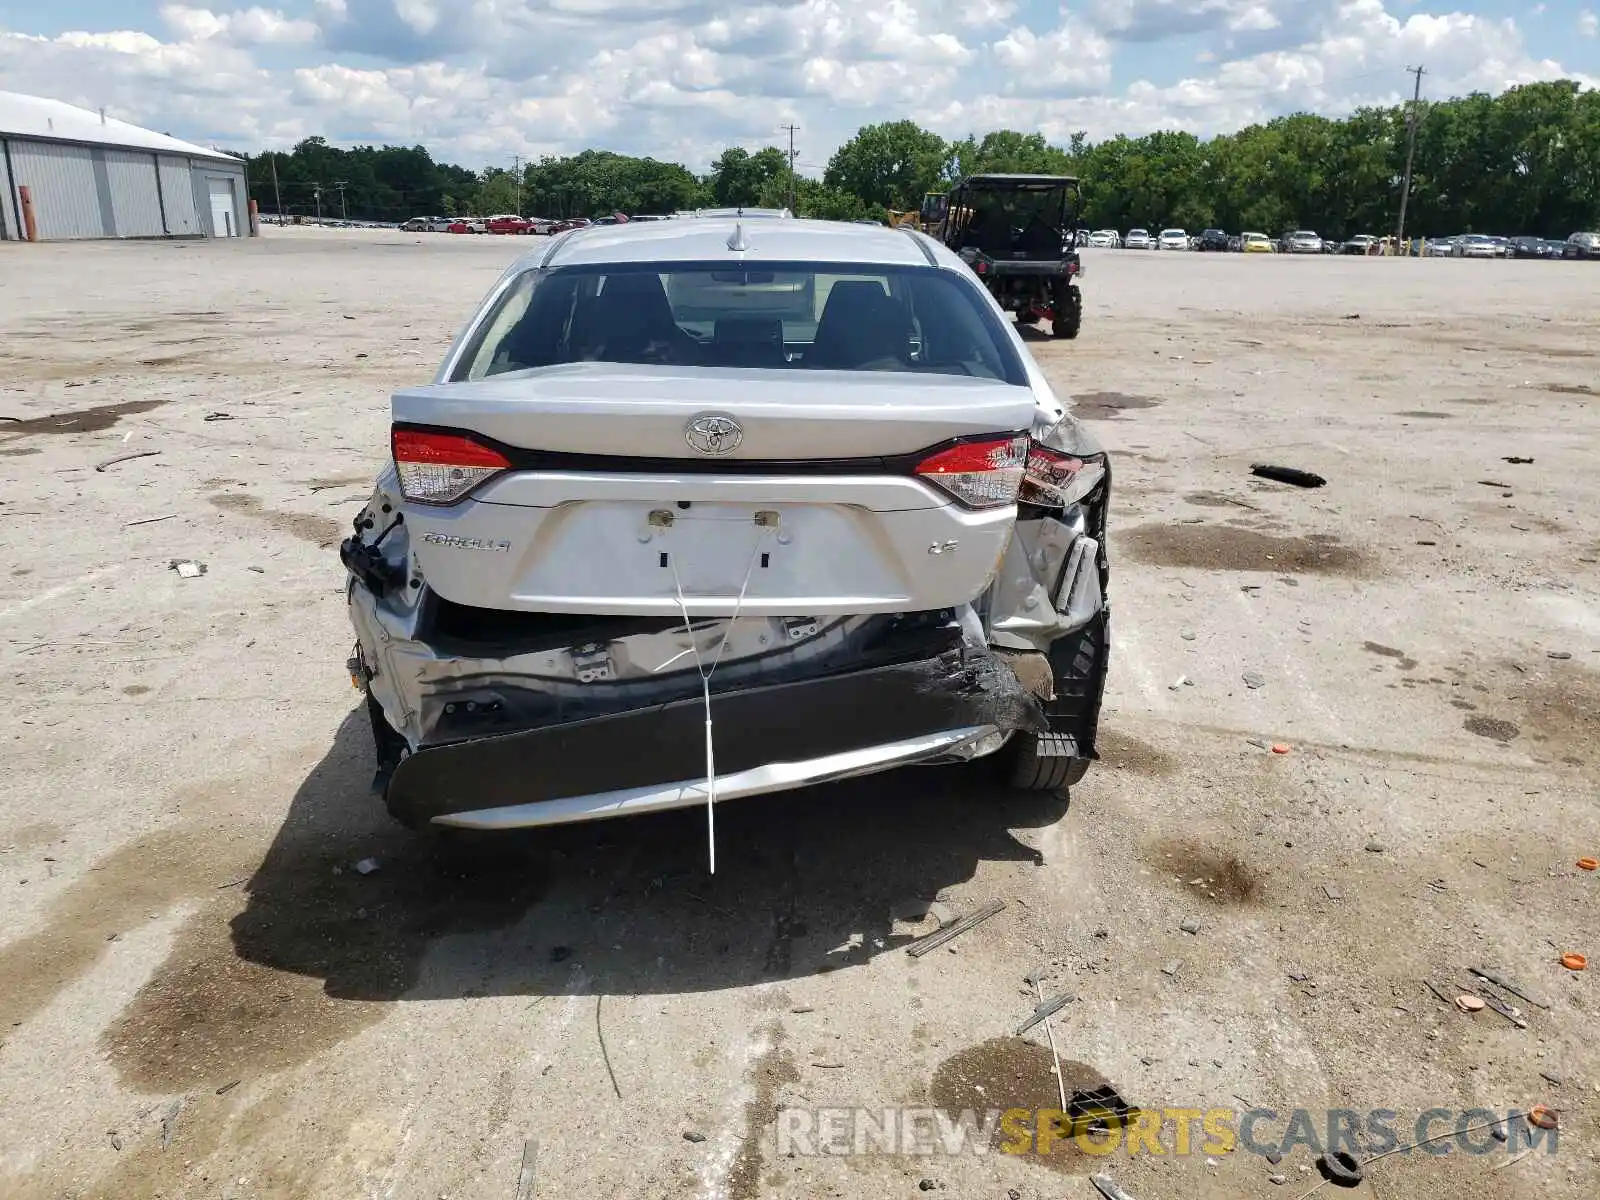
{"points": [[1190, 926], [227, 1087], [169, 1121], [1331, 892], [1104, 1185], [1515, 461], [1293, 475], [955, 929], [690, 1135], [1558, 655], [1172, 968], [148, 520], [1044, 1009], [122, 458], [1254, 680], [525, 1174], [218, 416], [367, 866], [1501, 982], [1375, 847], [187, 568]]}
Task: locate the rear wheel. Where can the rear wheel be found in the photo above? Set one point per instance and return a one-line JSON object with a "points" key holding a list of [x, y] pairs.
{"points": [[1069, 312]]}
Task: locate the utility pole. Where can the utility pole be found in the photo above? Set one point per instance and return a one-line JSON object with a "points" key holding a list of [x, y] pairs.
{"points": [[792, 152], [1411, 152], [344, 213], [516, 166], [277, 196], [316, 194]]}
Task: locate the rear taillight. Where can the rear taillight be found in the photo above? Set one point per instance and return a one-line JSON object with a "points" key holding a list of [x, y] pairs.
{"points": [[1056, 479], [441, 468], [980, 474]]}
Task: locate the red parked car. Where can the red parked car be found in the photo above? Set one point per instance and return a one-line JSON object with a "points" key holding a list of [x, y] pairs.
{"points": [[507, 223]]}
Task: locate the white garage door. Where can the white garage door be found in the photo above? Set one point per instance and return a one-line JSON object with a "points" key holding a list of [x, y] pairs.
{"points": [[224, 217]]}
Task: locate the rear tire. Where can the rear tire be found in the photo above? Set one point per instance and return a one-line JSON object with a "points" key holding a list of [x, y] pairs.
{"points": [[1069, 312], [1029, 771]]}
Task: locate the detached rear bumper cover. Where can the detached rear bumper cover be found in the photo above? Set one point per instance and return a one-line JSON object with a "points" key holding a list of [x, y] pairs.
{"points": [[767, 739]]}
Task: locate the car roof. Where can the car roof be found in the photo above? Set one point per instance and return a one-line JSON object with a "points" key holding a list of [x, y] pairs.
{"points": [[707, 240]]}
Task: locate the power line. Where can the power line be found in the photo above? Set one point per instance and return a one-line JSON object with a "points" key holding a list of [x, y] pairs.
{"points": [[1411, 152], [344, 214]]}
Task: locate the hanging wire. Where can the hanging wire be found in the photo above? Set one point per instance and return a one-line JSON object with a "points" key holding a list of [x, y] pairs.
{"points": [[705, 680]]}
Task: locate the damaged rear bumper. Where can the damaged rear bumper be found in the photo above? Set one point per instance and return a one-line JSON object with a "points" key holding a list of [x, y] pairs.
{"points": [[959, 703]]}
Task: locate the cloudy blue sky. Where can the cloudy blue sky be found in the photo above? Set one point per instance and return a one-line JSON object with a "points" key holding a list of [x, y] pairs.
{"points": [[478, 81]]}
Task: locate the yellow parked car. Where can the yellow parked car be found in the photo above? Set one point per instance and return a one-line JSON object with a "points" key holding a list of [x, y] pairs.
{"points": [[1258, 243]]}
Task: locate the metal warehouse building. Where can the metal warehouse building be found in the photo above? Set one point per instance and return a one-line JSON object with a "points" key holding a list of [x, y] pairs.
{"points": [[89, 176]]}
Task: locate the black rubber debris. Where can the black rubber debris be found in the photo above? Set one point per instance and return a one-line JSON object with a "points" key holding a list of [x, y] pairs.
{"points": [[1340, 1169], [1294, 475]]}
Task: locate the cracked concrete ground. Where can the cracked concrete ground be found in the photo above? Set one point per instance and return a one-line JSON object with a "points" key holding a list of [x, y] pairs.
{"points": [[200, 997]]}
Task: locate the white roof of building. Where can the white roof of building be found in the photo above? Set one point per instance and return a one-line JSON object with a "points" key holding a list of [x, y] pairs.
{"points": [[36, 117]]}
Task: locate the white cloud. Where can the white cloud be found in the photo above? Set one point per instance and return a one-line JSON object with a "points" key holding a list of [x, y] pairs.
{"points": [[1588, 24], [479, 80], [246, 27], [1070, 61]]}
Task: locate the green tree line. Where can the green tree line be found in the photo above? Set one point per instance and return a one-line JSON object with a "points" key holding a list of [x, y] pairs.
{"points": [[1526, 161]]}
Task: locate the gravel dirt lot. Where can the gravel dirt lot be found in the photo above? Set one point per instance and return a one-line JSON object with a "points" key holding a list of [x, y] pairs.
{"points": [[199, 995]]}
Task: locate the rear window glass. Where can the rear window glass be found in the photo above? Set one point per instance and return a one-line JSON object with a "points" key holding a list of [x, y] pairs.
{"points": [[782, 317]]}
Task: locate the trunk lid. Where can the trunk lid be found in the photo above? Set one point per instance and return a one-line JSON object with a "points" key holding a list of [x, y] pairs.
{"points": [[775, 526], [611, 409]]}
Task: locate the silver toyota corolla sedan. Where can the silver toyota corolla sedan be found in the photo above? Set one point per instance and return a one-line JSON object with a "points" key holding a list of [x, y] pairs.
{"points": [[698, 510]]}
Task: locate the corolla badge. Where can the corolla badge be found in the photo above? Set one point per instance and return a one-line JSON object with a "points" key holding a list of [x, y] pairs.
{"points": [[713, 433]]}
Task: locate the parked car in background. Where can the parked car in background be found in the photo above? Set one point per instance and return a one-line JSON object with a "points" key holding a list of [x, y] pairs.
{"points": [[1138, 239], [468, 225], [545, 585], [570, 224], [1172, 239], [506, 223], [1474, 245], [1582, 245], [1213, 240], [440, 224], [1300, 241], [1362, 243], [416, 225], [1529, 247], [1502, 247], [1257, 243], [1105, 239], [1235, 242]]}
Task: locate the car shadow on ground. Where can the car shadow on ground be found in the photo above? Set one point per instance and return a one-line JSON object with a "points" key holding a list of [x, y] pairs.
{"points": [[807, 882]]}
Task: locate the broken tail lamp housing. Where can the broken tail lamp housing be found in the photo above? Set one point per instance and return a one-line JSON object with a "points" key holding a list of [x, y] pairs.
{"points": [[1056, 479], [984, 473], [441, 468]]}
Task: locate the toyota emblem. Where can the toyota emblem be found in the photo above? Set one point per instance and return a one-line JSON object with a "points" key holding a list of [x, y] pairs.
{"points": [[713, 433]]}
